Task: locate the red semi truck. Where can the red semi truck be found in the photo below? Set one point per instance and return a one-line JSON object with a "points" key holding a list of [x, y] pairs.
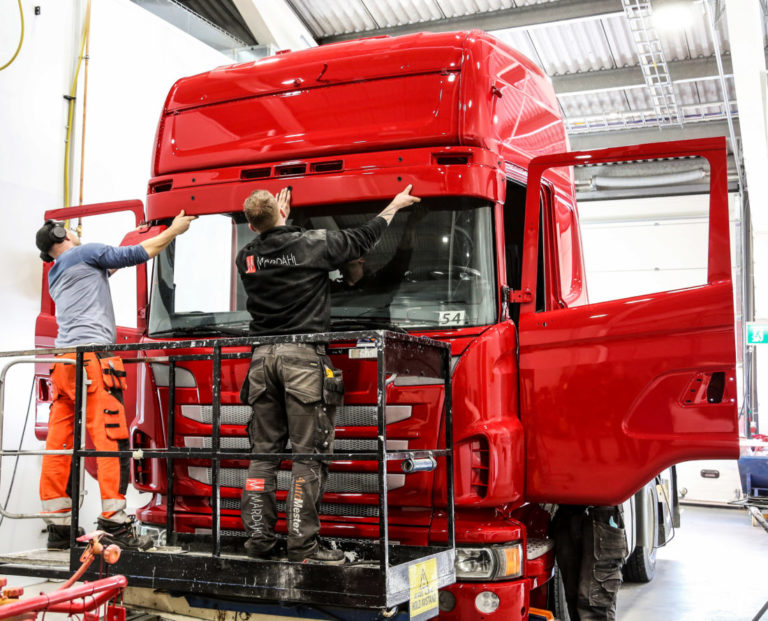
{"points": [[555, 399]]}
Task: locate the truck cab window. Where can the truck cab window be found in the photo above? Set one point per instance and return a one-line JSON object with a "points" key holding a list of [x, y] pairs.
{"points": [[432, 268], [514, 226], [195, 287]]}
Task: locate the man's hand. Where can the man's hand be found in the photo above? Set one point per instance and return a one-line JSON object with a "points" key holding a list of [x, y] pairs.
{"points": [[181, 222], [284, 198], [401, 200], [156, 244], [284, 202]]}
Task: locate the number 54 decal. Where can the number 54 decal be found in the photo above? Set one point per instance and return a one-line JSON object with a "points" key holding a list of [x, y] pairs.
{"points": [[451, 318]]}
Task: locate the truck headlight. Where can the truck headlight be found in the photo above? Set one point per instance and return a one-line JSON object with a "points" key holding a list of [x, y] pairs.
{"points": [[489, 563]]}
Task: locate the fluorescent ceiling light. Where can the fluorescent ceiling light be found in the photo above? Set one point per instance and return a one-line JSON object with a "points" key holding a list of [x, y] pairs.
{"points": [[673, 17]]}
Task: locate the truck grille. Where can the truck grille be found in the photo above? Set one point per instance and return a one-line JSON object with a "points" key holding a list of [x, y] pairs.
{"points": [[349, 416], [338, 482], [346, 415]]}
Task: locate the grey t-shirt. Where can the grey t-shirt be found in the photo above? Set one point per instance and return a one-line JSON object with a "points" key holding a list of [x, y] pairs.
{"points": [[80, 289]]}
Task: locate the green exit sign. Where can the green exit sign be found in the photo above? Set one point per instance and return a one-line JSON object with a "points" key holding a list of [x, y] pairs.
{"points": [[757, 333]]}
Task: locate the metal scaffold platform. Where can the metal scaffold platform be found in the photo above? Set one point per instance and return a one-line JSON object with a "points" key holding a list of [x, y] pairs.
{"points": [[379, 573]]}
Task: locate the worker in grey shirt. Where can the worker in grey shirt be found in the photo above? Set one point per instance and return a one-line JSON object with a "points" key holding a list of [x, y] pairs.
{"points": [[79, 287]]}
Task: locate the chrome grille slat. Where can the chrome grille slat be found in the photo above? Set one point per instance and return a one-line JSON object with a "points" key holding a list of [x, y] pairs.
{"points": [[340, 444], [230, 414], [326, 508], [339, 482], [346, 415], [225, 443]]}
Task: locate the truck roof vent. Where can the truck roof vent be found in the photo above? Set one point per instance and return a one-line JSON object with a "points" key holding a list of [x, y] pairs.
{"points": [[287, 170], [447, 160], [161, 186], [331, 166], [255, 173]]}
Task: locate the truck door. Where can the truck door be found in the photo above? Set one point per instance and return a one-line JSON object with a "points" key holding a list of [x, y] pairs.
{"points": [[614, 392], [130, 317]]}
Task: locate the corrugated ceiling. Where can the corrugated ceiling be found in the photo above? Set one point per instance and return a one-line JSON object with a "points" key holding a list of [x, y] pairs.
{"points": [[582, 49]]}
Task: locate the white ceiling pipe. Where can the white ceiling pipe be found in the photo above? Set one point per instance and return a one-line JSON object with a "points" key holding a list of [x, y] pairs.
{"points": [[649, 181]]}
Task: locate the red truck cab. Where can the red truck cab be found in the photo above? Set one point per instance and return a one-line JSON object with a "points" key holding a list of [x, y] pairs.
{"points": [[555, 400]]}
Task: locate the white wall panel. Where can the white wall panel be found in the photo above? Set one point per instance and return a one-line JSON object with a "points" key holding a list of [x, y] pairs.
{"points": [[639, 246], [135, 57]]}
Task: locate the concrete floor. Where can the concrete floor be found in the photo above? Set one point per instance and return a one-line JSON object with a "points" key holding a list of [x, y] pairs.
{"points": [[715, 569]]}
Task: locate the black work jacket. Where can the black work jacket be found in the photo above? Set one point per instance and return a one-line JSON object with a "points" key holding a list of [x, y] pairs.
{"points": [[285, 274]]}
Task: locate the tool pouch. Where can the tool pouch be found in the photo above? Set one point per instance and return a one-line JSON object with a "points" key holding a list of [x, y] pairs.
{"points": [[333, 385], [113, 373], [113, 415]]}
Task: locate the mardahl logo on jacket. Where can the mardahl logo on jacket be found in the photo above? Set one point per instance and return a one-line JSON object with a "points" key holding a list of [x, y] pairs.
{"points": [[253, 263]]}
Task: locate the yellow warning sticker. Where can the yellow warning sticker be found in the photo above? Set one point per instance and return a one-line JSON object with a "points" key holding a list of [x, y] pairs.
{"points": [[422, 580]]}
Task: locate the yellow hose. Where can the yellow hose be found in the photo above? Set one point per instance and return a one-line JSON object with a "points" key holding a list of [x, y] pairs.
{"points": [[21, 39], [71, 111]]}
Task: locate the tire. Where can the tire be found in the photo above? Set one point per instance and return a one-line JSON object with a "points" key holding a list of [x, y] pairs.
{"points": [[557, 603], [641, 564]]}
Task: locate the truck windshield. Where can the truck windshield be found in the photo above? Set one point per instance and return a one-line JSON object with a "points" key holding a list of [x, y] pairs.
{"points": [[433, 268]]}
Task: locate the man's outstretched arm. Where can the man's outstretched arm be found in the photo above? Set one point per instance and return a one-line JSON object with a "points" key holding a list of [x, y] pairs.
{"points": [[155, 245]]}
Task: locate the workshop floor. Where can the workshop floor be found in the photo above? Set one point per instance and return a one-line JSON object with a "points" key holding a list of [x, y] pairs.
{"points": [[715, 569]]}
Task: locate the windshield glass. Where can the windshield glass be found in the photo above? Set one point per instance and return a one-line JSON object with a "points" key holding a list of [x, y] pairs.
{"points": [[433, 268]]}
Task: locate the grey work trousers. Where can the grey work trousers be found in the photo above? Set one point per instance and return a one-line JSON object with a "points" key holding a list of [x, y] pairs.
{"points": [[590, 549], [285, 390]]}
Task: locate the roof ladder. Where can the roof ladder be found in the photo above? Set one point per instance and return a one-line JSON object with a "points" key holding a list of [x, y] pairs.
{"points": [[652, 62]]}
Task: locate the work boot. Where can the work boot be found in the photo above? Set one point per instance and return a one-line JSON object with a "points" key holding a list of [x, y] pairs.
{"points": [[275, 552], [322, 554], [58, 536], [124, 535]]}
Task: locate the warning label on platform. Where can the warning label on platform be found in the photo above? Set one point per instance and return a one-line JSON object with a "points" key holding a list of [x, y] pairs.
{"points": [[422, 580]]}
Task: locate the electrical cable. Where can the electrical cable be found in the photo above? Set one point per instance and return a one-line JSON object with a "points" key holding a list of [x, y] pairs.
{"points": [[21, 441], [85, 101], [762, 612], [758, 516], [21, 39], [71, 105]]}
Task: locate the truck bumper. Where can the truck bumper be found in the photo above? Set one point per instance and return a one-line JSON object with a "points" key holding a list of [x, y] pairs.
{"points": [[513, 600]]}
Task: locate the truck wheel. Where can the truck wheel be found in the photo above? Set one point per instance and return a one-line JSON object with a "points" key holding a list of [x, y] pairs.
{"points": [[641, 565], [557, 603]]}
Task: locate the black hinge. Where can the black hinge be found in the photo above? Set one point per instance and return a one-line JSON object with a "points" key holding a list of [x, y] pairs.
{"points": [[522, 296]]}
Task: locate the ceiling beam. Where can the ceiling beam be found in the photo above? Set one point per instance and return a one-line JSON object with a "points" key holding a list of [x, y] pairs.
{"points": [[602, 140], [518, 17], [273, 22], [627, 77]]}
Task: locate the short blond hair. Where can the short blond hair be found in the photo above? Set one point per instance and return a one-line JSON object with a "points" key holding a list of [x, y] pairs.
{"points": [[261, 210]]}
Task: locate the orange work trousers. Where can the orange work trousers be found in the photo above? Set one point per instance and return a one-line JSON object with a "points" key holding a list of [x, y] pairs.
{"points": [[106, 425]]}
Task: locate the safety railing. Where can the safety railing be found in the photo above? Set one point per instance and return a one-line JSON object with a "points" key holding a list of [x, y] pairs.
{"points": [[3, 453], [378, 584]]}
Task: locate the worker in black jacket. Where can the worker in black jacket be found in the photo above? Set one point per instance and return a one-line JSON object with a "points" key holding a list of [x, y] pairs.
{"points": [[590, 548], [292, 387]]}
